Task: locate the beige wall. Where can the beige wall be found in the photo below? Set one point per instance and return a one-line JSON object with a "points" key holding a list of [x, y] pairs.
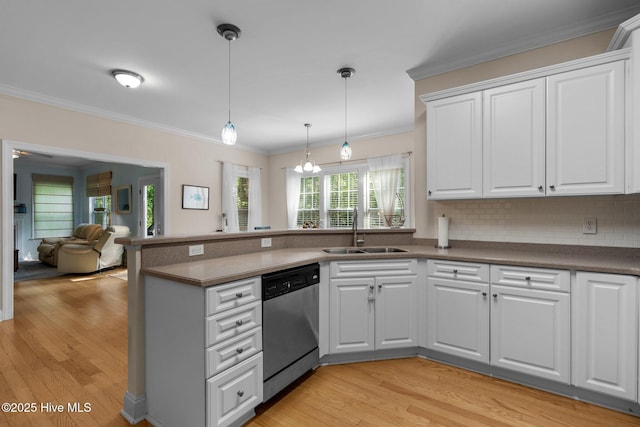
{"points": [[328, 155], [189, 160], [539, 220]]}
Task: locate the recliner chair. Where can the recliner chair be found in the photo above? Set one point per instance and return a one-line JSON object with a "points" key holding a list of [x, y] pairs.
{"points": [[103, 254]]}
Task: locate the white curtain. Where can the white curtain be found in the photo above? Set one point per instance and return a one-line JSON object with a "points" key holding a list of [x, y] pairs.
{"points": [[230, 196], [293, 196], [385, 172], [255, 199]]}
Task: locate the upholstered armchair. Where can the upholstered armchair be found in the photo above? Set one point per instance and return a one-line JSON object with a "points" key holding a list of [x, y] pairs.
{"points": [[83, 234], [103, 254]]}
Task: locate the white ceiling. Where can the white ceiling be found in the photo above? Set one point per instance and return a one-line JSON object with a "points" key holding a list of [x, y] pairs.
{"points": [[284, 64]]}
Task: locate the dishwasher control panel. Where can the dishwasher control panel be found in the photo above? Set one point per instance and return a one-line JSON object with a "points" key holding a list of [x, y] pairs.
{"points": [[290, 280]]}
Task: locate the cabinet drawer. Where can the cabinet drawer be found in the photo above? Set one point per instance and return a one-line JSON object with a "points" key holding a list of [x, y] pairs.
{"points": [[235, 392], [234, 294], [377, 268], [231, 323], [467, 271], [531, 278], [232, 351]]}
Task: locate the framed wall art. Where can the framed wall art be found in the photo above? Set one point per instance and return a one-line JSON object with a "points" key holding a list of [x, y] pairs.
{"points": [[123, 199], [195, 197]]}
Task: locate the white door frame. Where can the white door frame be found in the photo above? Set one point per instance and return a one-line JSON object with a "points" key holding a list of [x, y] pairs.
{"points": [[6, 309]]}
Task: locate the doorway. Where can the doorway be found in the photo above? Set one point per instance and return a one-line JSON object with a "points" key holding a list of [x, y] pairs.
{"points": [[150, 218], [6, 197]]}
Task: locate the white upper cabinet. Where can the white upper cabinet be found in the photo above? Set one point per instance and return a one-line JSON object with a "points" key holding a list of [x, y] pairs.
{"points": [[554, 131], [454, 151], [513, 140], [585, 131]]}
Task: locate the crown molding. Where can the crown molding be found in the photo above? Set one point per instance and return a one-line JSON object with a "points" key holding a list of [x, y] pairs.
{"points": [[105, 114], [589, 61], [623, 32], [582, 28]]}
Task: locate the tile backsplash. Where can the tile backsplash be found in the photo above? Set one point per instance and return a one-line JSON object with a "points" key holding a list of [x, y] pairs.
{"points": [[555, 220]]}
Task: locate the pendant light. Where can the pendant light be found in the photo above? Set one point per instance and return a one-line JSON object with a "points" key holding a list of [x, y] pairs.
{"points": [[345, 149], [307, 165], [229, 32]]}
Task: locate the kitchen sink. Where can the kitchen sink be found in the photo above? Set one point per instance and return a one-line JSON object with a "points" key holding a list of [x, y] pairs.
{"points": [[383, 250], [343, 251], [365, 250]]}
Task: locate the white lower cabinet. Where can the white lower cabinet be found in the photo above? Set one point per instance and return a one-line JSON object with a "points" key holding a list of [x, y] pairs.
{"points": [[458, 309], [605, 319], [373, 307], [203, 352], [531, 324]]}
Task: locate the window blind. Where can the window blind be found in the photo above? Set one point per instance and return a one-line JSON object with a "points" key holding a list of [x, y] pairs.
{"points": [[52, 205], [99, 184]]}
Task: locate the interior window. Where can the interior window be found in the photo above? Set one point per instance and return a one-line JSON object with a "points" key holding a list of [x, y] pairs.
{"points": [[52, 205]]}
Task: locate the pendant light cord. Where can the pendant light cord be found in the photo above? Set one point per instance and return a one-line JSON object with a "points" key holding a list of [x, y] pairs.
{"points": [[229, 40], [345, 109]]}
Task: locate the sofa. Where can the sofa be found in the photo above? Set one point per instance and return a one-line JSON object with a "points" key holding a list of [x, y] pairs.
{"points": [[88, 258], [83, 234]]}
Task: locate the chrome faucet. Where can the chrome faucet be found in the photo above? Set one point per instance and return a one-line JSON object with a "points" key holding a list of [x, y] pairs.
{"points": [[354, 227]]}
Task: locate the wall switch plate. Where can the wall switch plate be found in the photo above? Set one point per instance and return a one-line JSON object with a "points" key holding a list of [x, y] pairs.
{"points": [[196, 250], [589, 225], [266, 242]]}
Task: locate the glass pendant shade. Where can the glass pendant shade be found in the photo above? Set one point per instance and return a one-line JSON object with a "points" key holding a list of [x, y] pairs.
{"points": [[345, 151], [229, 134], [298, 169], [307, 165]]}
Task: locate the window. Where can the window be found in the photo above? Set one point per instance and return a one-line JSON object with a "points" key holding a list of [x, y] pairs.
{"points": [[242, 201], [329, 198], [309, 207], [100, 210], [343, 197], [52, 205]]}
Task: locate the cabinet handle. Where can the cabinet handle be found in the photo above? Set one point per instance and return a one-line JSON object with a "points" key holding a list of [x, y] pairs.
{"points": [[239, 322], [495, 295], [239, 295], [528, 279], [370, 286], [429, 192], [379, 286], [484, 294], [540, 187], [240, 393], [239, 350], [455, 271], [552, 187]]}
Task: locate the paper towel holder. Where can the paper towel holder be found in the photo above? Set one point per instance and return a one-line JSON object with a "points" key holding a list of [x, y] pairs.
{"points": [[445, 238]]}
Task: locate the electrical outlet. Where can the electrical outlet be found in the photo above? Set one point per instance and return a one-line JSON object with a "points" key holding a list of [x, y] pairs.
{"points": [[196, 250], [266, 242], [589, 225]]}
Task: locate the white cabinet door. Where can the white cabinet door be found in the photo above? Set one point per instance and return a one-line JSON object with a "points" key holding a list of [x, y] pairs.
{"points": [[514, 140], [530, 332], [396, 312], [454, 147], [458, 318], [585, 131], [352, 315], [605, 320]]}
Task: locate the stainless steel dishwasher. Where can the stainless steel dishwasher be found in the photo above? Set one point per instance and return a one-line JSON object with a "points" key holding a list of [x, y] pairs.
{"points": [[289, 326]]}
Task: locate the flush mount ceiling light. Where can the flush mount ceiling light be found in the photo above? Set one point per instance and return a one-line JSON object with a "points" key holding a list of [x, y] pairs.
{"points": [[307, 165], [229, 32], [128, 79], [345, 149]]}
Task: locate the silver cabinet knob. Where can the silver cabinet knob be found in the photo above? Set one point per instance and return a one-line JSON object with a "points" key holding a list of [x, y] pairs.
{"points": [[455, 271], [239, 295], [484, 294], [495, 295], [370, 286], [240, 393], [528, 279], [552, 187], [239, 350], [239, 322], [540, 187]]}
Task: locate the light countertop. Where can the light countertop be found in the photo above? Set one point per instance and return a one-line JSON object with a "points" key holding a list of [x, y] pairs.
{"points": [[210, 272]]}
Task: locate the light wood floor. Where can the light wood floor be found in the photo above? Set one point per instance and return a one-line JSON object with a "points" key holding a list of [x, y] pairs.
{"points": [[68, 344]]}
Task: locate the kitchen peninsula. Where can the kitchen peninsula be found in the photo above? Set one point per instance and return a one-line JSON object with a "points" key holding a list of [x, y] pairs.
{"points": [[236, 257]]}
